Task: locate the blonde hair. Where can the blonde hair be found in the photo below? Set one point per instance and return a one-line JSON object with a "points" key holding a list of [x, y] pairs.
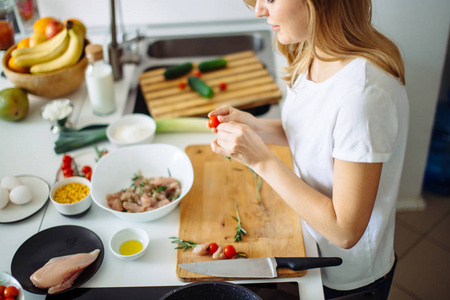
{"points": [[341, 29]]}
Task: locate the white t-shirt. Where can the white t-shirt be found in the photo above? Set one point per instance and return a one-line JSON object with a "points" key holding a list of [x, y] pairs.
{"points": [[360, 114]]}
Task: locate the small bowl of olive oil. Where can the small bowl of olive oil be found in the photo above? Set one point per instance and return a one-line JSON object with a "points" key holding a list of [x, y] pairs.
{"points": [[129, 243]]}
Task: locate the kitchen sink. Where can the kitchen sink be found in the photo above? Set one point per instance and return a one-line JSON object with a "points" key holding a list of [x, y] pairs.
{"points": [[157, 52], [205, 46]]}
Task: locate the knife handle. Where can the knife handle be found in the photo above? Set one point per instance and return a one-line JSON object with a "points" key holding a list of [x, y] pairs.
{"points": [[303, 263]]}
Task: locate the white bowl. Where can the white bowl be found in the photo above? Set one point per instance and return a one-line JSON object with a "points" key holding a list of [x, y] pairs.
{"points": [[114, 172], [131, 129], [8, 280], [73, 208], [128, 234]]}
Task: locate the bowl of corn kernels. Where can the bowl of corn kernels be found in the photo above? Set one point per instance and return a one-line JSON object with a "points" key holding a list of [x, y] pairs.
{"points": [[72, 196]]}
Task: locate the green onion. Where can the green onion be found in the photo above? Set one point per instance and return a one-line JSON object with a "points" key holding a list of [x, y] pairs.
{"points": [[71, 140]]}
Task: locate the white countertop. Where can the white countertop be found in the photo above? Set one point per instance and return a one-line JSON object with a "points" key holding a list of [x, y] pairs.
{"points": [[27, 148]]}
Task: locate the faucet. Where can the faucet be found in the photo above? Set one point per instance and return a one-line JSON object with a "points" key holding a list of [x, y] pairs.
{"points": [[116, 54]]}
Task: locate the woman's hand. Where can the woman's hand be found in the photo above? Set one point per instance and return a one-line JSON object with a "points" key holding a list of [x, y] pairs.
{"points": [[227, 114]]}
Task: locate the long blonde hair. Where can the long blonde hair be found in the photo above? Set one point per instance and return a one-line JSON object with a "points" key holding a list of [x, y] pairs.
{"points": [[341, 29]]}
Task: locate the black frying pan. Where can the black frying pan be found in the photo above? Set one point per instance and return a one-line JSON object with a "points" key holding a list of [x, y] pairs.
{"points": [[216, 290]]}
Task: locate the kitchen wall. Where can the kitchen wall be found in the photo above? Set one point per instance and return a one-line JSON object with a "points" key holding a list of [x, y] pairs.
{"points": [[419, 27]]}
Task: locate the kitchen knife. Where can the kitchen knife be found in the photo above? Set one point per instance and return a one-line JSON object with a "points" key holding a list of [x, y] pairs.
{"points": [[258, 267]]}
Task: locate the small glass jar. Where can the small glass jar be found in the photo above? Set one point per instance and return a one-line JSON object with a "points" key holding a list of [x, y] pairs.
{"points": [[99, 82], [7, 24]]}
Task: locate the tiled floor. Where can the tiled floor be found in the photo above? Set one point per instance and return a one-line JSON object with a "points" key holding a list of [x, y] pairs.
{"points": [[422, 243]]}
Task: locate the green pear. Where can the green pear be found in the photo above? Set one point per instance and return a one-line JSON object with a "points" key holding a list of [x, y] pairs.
{"points": [[14, 104]]}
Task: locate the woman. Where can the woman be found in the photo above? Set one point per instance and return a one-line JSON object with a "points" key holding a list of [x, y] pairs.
{"points": [[345, 119]]}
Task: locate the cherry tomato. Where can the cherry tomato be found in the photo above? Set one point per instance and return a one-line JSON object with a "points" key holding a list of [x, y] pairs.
{"points": [[68, 173], [11, 291], [67, 159], [181, 85], [86, 169], [10, 298], [229, 251], [213, 122], [223, 86], [88, 175], [197, 73], [3, 298], [66, 167], [2, 289], [212, 248]]}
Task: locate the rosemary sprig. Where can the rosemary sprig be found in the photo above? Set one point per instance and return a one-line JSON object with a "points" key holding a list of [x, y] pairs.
{"points": [[258, 185], [185, 245], [239, 230]]}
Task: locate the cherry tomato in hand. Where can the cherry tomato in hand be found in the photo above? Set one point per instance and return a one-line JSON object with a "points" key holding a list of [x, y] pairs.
{"points": [[86, 169], [229, 251], [11, 291], [212, 248], [213, 122], [67, 159]]}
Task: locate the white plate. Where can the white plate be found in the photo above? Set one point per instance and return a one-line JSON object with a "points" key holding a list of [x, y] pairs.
{"points": [[41, 192], [8, 280]]}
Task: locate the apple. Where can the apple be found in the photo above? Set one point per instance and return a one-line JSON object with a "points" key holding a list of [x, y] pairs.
{"points": [[53, 28]]}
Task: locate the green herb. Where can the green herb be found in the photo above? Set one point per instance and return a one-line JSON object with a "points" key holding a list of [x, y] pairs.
{"points": [[168, 171], [160, 189], [258, 185], [239, 230], [99, 153], [185, 245]]}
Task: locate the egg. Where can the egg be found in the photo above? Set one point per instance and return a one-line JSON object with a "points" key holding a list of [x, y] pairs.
{"points": [[21, 194], [4, 195], [10, 182]]}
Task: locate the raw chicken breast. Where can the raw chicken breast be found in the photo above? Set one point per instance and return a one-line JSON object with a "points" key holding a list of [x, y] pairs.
{"points": [[59, 273]]}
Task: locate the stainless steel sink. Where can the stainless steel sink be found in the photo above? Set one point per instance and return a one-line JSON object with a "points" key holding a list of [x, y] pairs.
{"points": [[166, 51], [205, 46]]}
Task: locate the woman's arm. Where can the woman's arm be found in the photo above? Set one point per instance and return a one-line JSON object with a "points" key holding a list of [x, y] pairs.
{"points": [[343, 219]]}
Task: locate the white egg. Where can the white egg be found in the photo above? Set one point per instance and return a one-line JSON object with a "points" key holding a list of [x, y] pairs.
{"points": [[4, 197], [10, 182], [21, 194]]}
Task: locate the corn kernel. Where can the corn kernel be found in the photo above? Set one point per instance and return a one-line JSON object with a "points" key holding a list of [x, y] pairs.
{"points": [[71, 193]]}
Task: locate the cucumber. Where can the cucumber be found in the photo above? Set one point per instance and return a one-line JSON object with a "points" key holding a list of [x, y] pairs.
{"points": [[178, 70], [200, 87], [212, 65]]}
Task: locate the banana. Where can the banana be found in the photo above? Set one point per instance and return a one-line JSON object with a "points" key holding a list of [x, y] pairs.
{"points": [[30, 59], [67, 59], [46, 46]]}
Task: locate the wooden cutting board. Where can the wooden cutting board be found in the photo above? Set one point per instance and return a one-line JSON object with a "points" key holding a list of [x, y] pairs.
{"points": [[207, 211], [248, 85]]}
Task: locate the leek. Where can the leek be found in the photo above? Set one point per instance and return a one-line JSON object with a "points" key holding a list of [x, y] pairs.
{"points": [[182, 124]]}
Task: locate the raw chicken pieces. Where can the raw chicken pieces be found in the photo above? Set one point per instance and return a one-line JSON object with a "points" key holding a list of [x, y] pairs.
{"points": [[59, 273]]}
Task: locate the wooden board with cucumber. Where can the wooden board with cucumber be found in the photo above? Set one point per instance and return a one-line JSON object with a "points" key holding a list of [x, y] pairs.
{"points": [[237, 79]]}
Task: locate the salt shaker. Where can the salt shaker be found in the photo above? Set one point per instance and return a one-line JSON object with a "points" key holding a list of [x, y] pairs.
{"points": [[99, 81]]}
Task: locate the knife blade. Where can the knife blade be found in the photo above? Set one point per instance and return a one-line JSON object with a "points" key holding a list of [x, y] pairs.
{"points": [[258, 267]]}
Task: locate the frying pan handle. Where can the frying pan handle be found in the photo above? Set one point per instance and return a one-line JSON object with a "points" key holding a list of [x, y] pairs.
{"points": [[303, 263]]}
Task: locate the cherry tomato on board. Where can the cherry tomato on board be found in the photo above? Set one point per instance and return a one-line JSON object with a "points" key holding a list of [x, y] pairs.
{"points": [[181, 85], [212, 248], [213, 122], [229, 251], [223, 86], [197, 73], [11, 291]]}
